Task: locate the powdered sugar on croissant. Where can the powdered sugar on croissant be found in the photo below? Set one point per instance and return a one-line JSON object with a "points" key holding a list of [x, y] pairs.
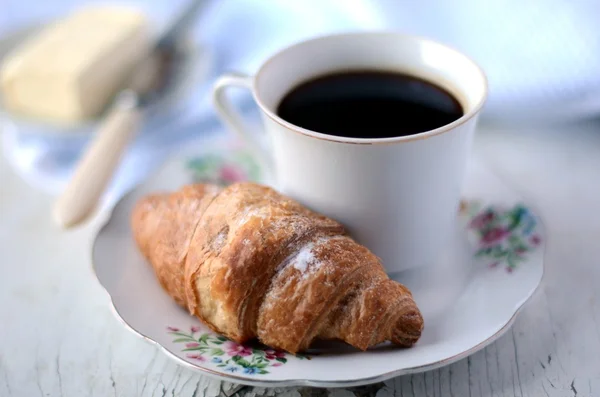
{"points": [[250, 262]]}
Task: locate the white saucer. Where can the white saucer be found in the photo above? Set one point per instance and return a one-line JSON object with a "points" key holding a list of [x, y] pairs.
{"points": [[493, 264]]}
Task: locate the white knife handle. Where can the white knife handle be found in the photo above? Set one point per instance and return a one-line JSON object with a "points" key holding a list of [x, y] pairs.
{"points": [[97, 166]]}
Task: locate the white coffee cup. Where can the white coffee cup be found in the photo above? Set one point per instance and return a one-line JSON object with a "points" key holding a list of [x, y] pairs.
{"points": [[397, 196]]}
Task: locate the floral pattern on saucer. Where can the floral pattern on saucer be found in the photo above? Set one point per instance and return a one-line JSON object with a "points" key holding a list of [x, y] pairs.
{"points": [[207, 347], [504, 235], [220, 170]]}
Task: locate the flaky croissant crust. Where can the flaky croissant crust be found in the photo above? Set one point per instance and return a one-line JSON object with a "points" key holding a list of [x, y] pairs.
{"points": [[252, 263]]}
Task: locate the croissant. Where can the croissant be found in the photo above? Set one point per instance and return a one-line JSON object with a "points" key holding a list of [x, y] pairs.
{"points": [[252, 263]]}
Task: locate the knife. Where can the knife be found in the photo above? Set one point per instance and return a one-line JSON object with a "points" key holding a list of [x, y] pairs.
{"points": [[149, 80]]}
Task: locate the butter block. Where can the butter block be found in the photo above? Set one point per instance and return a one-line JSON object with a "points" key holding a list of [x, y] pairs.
{"points": [[71, 69]]}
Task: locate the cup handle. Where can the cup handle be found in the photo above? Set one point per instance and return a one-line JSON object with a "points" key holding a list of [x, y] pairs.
{"points": [[230, 116]]}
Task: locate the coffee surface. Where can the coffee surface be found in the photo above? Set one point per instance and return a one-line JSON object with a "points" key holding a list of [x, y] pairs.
{"points": [[369, 104]]}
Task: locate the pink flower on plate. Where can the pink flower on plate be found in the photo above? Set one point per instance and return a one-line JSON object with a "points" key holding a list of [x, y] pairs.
{"points": [[192, 344], [195, 329], [235, 349], [271, 354], [231, 173], [494, 235], [196, 356], [173, 329], [482, 220], [535, 239], [277, 365]]}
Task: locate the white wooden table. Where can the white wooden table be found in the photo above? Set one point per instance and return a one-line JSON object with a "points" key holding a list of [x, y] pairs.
{"points": [[58, 336]]}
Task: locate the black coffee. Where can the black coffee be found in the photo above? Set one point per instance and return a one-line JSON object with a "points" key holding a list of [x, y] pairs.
{"points": [[369, 104]]}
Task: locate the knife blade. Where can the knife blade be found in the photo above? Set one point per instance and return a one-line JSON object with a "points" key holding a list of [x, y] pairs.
{"points": [[180, 24]]}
